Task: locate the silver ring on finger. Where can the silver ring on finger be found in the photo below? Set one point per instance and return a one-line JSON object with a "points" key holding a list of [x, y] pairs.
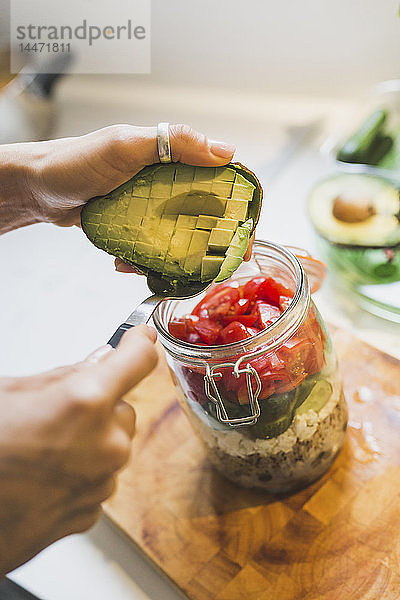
{"points": [[163, 144]]}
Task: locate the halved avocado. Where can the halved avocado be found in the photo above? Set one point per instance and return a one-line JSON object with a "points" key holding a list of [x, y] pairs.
{"points": [[356, 210], [177, 221]]}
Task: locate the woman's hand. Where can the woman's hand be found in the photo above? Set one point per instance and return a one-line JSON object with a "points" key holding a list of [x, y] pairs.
{"points": [[54, 179], [51, 181], [63, 436]]}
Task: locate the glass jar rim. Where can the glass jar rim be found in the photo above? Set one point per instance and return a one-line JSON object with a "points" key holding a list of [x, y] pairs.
{"points": [[270, 338]]}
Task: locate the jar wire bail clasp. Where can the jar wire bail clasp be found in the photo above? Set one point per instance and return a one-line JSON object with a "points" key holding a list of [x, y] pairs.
{"points": [[212, 392]]}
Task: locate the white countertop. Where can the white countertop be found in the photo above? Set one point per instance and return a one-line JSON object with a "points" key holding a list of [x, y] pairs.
{"points": [[61, 297]]}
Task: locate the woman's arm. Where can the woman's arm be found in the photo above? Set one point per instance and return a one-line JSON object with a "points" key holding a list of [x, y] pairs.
{"points": [[17, 203], [50, 181]]}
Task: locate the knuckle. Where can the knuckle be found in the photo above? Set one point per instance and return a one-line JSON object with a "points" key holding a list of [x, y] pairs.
{"points": [[151, 359], [118, 449], [107, 489], [149, 353], [126, 417], [120, 132], [12, 384], [131, 414], [127, 410], [88, 520], [85, 393], [118, 139]]}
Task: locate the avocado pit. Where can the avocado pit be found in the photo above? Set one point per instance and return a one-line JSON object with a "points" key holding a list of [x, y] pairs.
{"points": [[353, 209]]}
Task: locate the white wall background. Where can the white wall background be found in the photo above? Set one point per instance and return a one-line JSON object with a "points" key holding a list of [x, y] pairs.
{"points": [[324, 47], [316, 46]]}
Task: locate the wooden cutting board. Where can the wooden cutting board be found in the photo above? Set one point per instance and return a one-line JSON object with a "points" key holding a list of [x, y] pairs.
{"points": [[337, 539]]}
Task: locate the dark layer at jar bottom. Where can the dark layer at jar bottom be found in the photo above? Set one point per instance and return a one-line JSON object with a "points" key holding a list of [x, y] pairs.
{"points": [[288, 471]]}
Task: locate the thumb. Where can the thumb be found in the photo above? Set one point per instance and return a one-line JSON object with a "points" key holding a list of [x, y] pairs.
{"points": [[117, 371], [133, 359], [135, 147], [98, 354], [194, 148]]}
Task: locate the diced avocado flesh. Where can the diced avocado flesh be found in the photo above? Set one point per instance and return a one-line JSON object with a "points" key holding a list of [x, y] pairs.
{"points": [[187, 221], [210, 266], [206, 222], [176, 220], [196, 251], [219, 240], [380, 230], [225, 174], [178, 251], [236, 250], [227, 224], [236, 209]]}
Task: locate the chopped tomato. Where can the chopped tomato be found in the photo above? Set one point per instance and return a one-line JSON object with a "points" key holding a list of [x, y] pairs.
{"points": [[265, 313], [217, 303], [241, 306], [295, 349], [230, 383], [177, 328], [251, 288], [190, 321], [271, 383], [315, 360], [231, 312], [234, 332], [245, 319], [267, 289], [271, 290], [237, 310], [194, 338], [181, 327], [194, 385], [261, 363], [275, 382], [208, 330], [294, 353]]}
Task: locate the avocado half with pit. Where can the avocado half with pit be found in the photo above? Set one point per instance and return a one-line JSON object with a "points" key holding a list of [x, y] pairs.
{"points": [[179, 222], [356, 210]]}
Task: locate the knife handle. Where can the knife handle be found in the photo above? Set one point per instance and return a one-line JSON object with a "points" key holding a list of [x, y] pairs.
{"points": [[117, 335]]}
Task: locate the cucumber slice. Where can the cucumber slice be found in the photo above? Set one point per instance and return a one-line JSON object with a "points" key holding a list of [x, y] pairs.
{"points": [[317, 398], [379, 149], [356, 148]]}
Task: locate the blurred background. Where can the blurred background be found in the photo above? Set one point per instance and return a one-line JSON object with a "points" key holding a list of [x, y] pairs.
{"points": [[279, 80], [275, 78]]}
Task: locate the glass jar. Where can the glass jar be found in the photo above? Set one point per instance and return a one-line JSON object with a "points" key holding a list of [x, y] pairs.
{"points": [[369, 276], [269, 409]]}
